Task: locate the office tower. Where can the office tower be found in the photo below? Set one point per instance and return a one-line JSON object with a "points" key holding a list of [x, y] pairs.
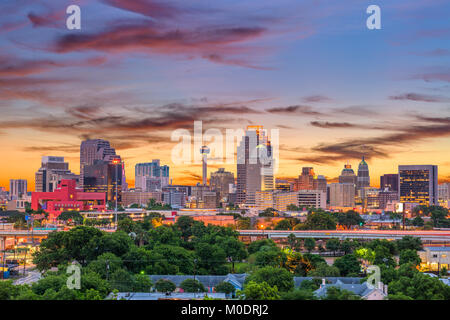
{"points": [[444, 192], [389, 181], [254, 165], [151, 176], [342, 195], [220, 182], [418, 184], [347, 175], [363, 179], [52, 171], [204, 151], [91, 150], [17, 188], [302, 199], [105, 176], [284, 185], [320, 183], [305, 180]]}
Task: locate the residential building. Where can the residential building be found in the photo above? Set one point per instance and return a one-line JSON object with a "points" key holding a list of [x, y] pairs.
{"points": [[435, 258]]}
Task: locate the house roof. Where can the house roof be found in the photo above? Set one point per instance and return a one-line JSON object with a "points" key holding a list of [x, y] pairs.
{"points": [[207, 281]]}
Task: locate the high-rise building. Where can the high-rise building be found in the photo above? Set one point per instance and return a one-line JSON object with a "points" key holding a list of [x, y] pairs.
{"points": [[220, 182], [91, 150], [444, 194], [52, 171], [105, 176], [204, 151], [342, 195], [151, 176], [320, 183], [254, 165], [284, 185], [347, 175], [363, 179], [389, 181], [305, 180], [418, 184], [17, 188]]}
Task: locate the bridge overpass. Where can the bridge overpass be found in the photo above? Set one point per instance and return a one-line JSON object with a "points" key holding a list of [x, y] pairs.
{"points": [[432, 235]]}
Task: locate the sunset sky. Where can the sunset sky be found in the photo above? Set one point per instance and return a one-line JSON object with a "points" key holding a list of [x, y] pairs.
{"points": [[138, 70]]}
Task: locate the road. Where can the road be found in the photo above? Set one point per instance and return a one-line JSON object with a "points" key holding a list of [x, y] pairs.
{"points": [[31, 276]]}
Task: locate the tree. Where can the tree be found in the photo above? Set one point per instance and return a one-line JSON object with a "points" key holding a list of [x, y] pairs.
{"points": [[336, 293], [212, 258], [409, 242], [243, 223], [349, 218], [127, 225], [270, 256], [278, 277], [105, 264], [122, 281], [310, 244], [298, 294], [418, 221], [420, 287], [191, 285], [258, 291], [409, 256], [184, 224], [234, 250], [324, 270], [348, 265], [283, 225], [320, 220], [225, 287], [333, 244], [268, 212], [255, 246], [71, 216], [166, 286], [292, 207], [292, 240]]}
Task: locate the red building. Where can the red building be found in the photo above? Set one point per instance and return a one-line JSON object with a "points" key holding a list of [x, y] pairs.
{"points": [[67, 197]]}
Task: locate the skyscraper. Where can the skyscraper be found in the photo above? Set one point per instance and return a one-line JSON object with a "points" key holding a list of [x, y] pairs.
{"points": [[389, 181], [305, 180], [254, 165], [342, 195], [220, 182], [363, 179], [151, 176], [347, 175], [52, 171], [418, 184], [17, 188], [105, 176], [91, 150], [204, 151]]}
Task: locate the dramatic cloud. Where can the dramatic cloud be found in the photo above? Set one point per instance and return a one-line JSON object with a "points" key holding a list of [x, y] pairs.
{"points": [[419, 97], [296, 110], [377, 147], [316, 98], [149, 8]]}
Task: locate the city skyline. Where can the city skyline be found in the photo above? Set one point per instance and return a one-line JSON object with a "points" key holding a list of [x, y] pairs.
{"points": [[341, 90]]}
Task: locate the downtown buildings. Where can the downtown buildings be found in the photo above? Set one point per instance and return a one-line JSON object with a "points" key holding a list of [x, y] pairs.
{"points": [[151, 176], [17, 188]]}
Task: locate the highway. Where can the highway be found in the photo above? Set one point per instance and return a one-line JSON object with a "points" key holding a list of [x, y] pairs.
{"points": [[351, 234]]}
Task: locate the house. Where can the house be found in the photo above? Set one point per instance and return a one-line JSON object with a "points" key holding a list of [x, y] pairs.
{"points": [[364, 290], [434, 258], [163, 296], [209, 282]]}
